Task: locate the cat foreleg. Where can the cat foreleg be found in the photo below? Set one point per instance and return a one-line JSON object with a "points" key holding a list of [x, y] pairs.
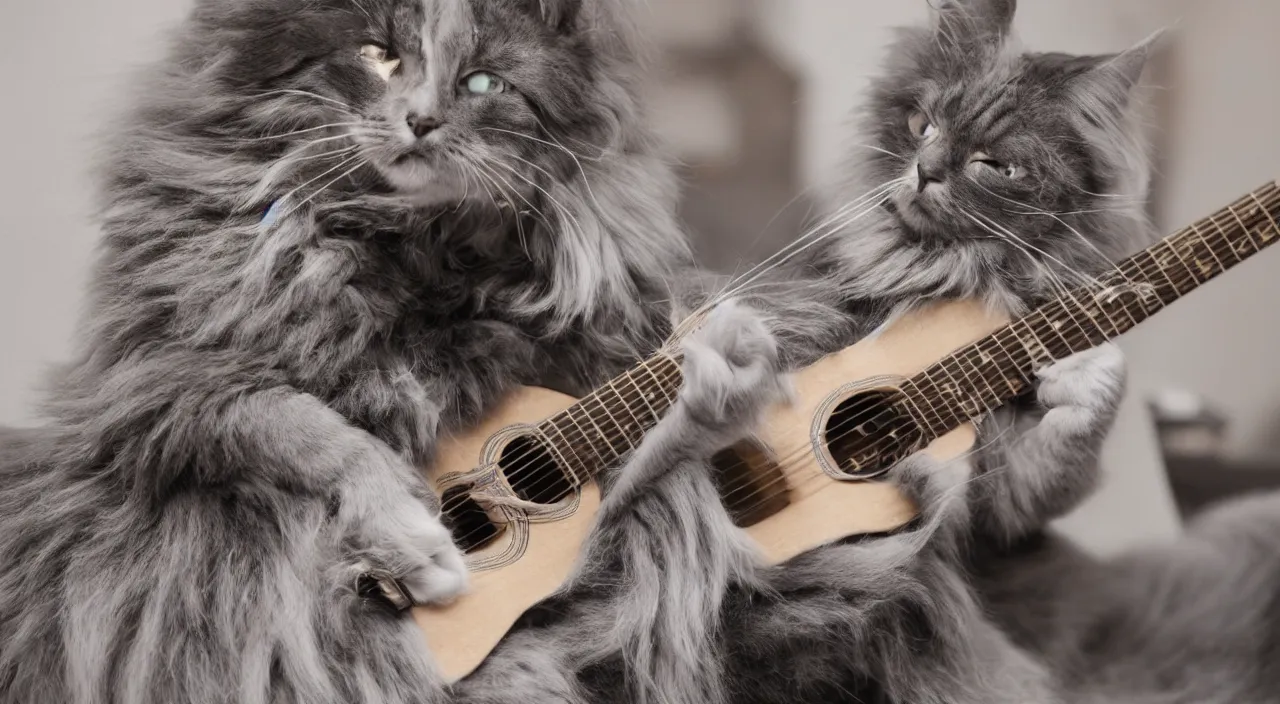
{"points": [[1035, 469]]}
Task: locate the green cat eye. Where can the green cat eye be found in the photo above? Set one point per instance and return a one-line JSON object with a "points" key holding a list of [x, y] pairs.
{"points": [[484, 83]]}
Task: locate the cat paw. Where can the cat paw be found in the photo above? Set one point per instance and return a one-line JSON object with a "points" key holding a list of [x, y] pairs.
{"points": [[731, 369], [1093, 379], [406, 557]]}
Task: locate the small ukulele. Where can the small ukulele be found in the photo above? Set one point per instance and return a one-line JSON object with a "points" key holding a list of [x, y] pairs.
{"points": [[519, 491]]}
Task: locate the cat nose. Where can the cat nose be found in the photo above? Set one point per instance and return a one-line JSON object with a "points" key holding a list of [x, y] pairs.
{"points": [[422, 125], [927, 175]]}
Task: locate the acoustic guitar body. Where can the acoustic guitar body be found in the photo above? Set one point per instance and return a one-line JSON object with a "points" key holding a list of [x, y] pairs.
{"points": [[824, 503], [532, 558], [814, 502]]}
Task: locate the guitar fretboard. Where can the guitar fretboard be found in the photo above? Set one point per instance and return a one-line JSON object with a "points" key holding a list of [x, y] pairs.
{"points": [[982, 376], [597, 431]]}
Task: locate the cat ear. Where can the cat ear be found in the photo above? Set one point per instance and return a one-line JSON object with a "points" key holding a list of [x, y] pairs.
{"points": [[1110, 81], [976, 19]]}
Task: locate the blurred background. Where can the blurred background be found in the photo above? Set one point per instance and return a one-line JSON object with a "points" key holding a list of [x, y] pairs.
{"points": [[755, 98]]}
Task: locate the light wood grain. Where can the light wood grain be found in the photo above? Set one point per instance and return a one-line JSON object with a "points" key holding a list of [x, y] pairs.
{"points": [[462, 634], [823, 509]]}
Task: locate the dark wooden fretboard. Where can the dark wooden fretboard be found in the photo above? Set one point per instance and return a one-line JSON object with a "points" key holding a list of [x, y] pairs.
{"points": [[599, 430], [982, 376]]}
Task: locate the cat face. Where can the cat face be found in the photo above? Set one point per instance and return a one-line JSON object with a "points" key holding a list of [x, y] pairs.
{"points": [[993, 144], [444, 100]]}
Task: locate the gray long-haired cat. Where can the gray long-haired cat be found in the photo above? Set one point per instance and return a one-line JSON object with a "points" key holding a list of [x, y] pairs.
{"points": [[334, 230], [1193, 621], [993, 173]]}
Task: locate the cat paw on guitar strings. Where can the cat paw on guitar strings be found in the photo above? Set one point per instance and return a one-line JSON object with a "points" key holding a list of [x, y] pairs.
{"points": [[1082, 385], [731, 371], [731, 376], [1039, 464]]}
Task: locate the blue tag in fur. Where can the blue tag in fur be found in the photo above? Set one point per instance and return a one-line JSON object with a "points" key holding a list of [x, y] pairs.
{"points": [[272, 213]]}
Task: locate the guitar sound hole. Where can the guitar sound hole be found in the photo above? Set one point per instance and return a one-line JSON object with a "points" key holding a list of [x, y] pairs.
{"points": [[467, 521], [533, 471], [868, 433], [751, 484]]}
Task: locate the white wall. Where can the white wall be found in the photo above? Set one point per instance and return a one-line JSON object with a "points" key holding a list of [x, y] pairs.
{"points": [[1224, 340], [61, 65]]}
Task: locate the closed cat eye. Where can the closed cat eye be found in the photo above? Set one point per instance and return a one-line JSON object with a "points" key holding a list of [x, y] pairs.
{"points": [[483, 83], [1012, 171], [921, 126], [380, 58]]}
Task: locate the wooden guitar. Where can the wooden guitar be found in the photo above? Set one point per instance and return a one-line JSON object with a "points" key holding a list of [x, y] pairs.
{"points": [[519, 491]]}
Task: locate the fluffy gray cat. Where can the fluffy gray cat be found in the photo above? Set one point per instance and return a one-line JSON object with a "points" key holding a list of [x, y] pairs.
{"points": [[998, 174], [333, 231]]}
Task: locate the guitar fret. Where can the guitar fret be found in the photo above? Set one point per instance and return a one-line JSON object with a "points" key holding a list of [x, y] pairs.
{"points": [[1169, 250], [1035, 347], [1275, 228], [1173, 287], [1056, 326], [952, 387], [1205, 268], [1222, 247], [653, 413], [1086, 331], [602, 452], [920, 397], [636, 424], [1226, 238], [565, 442], [1101, 306], [1014, 388], [964, 400], [622, 428], [659, 384], [1178, 246], [612, 440], [977, 368]]}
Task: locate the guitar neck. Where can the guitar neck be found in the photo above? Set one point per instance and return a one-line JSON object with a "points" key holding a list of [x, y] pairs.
{"points": [[982, 376], [599, 430]]}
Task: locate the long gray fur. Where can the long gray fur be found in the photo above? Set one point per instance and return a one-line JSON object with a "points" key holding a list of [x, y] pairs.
{"points": [[238, 436]]}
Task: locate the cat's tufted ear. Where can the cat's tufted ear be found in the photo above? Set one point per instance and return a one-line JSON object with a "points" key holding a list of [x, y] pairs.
{"points": [[975, 20], [1107, 82]]}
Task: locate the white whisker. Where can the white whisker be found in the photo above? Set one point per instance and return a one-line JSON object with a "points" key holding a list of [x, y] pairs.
{"points": [[283, 135], [321, 189], [309, 94]]}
